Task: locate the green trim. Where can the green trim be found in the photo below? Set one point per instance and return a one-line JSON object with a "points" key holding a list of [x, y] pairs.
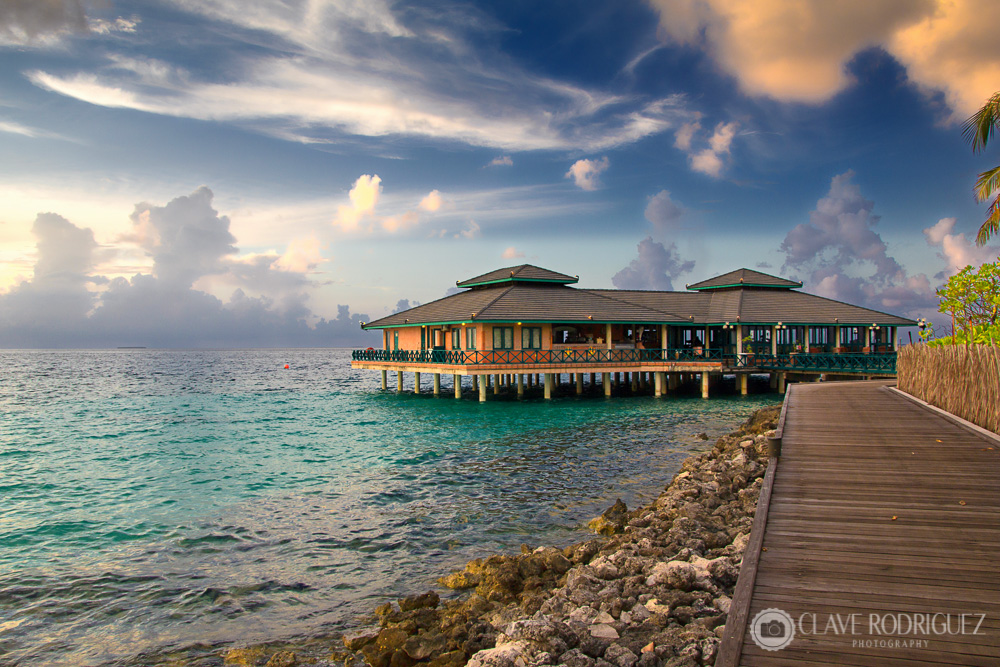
{"points": [[515, 279], [698, 289], [675, 323]]}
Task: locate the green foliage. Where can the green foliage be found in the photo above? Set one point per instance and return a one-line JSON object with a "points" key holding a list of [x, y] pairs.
{"points": [[978, 129], [972, 297]]}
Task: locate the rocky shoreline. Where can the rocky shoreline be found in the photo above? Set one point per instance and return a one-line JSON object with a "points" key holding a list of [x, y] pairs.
{"points": [[655, 591]]}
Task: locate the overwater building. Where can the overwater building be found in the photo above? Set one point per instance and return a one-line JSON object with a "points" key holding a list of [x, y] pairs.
{"points": [[520, 326]]}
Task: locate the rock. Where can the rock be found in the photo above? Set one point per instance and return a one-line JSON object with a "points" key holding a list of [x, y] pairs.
{"points": [[583, 552], [649, 648], [702, 436], [612, 521], [428, 600], [355, 640], [576, 658], [508, 655], [449, 659], [425, 645], [459, 580], [676, 574], [283, 659], [603, 631], [250, 656], [620, 656]]}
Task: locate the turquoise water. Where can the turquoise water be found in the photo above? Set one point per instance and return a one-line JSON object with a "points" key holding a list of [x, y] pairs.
{"points": [[157, 501]]}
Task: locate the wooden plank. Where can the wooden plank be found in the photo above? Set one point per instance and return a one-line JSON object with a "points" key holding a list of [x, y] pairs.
{"points": [[854, 455]]}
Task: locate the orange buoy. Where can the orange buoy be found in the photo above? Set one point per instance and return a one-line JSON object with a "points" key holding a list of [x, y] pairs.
{"points": [[286, 367]]}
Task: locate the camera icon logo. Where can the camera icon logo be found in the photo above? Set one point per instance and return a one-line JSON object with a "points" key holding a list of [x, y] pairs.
{"points": [[772, 629]]}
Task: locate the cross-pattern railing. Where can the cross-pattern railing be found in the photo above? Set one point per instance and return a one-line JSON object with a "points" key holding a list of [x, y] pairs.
{"points": [[878, 364], [521, 357]]}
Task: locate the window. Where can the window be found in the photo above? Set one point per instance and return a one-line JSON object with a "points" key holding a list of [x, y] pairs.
{"points": [[456, 339], [470, 338], [531, 338], [395, 340], [819, 335], [503, 338]]}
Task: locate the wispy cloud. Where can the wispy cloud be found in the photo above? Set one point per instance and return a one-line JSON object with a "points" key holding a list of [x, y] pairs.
{"points": [[356, 68]]}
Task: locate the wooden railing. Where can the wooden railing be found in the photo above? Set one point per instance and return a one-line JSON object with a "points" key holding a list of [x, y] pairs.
{"points": [[874, 364]]}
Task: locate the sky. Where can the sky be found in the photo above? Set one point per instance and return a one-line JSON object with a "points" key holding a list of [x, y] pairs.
{"points": [[251, 173]]}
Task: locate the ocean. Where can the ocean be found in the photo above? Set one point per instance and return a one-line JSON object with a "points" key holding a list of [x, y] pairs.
{"points": [[167, 503]]}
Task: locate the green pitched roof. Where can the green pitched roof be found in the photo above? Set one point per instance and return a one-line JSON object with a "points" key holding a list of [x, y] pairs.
{"points": [[745, 278], [525, 273]]}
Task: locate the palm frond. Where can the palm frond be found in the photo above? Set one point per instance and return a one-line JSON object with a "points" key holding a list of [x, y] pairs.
{"points": [[992, 225], [987, 183], [979, 128]]}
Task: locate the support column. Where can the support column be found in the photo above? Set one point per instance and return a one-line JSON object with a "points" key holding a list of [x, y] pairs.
{"points": [[548, 385], [531, 380], [520, 385], [773, 380], [774, 341], [704, 385], [635, 382], [496, 384], [579, 383], [657, 385], [607, 333], [437, 384], [805, 339], [416, 383], [482, 388], [399, 380], [593, 379], [672, 381], [781, 383], [475, 383], [606, 381], [618, 379], [743, 380], [458, 385], [836, 337], [739, 340], [385, 380]]}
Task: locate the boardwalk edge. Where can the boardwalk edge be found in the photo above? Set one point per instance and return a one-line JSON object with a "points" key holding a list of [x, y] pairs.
{"points": [[731, 647], [964, 423]]}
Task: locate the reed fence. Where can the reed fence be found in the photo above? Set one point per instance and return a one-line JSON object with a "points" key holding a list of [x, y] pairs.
{"points": [[962, 379]]}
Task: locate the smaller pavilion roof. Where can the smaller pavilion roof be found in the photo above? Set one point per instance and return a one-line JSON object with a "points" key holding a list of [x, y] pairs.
{"points": [[525, 273], [745, 278]]}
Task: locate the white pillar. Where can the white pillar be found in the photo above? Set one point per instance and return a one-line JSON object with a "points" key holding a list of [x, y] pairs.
{"points": [[781, 383], [774, 341], [739, 339], [704, 385], [579, 383], [657, 385], [606, 381], [437, 384], [520, 385], [385, 380], [399, 380], [805, 338], [416, 383], [836, 336], [743, 377], [607, 332], [458, 385], [482, 388], [548, 385]]}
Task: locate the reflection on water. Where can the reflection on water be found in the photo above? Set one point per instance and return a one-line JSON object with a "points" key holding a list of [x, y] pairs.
{"points": [[174, 500]]}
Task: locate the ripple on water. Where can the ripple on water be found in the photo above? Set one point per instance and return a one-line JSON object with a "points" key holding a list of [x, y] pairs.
{"points": [[168, 501]]}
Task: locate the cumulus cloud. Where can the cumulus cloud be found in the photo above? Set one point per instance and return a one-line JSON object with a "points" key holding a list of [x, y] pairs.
{"points": [[797, 51], [711, 160], [844, 258], [664, 212], [432, 202], [685, 133], [511, 253], [957, 250], [501, 161], [67, 304], [655, 268], [364, 197], [585, 172]]}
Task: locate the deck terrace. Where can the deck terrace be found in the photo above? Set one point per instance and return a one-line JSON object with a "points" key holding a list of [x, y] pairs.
{"points": [[879, 514]]}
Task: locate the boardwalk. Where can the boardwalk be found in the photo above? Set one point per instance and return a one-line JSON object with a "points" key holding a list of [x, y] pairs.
{"points": [[883, 510]]}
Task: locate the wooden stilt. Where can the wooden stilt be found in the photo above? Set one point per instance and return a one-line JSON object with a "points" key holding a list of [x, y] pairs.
{"points": [[579, 383], [606, 381], [437, 384], [482, 388], [385, 380], [416, 383], [458, 385], [399, 380], [548, 385], [704, 385], [520, 385]]}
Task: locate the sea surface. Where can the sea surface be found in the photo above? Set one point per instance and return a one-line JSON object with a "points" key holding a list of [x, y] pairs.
{"points": [[160, 504]]}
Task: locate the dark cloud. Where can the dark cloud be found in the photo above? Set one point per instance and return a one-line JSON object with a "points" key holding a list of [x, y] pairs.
{"points": [[187, 240], [22, 20], [404, 304], [664, 212], [839, 255], [654, 268]]}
